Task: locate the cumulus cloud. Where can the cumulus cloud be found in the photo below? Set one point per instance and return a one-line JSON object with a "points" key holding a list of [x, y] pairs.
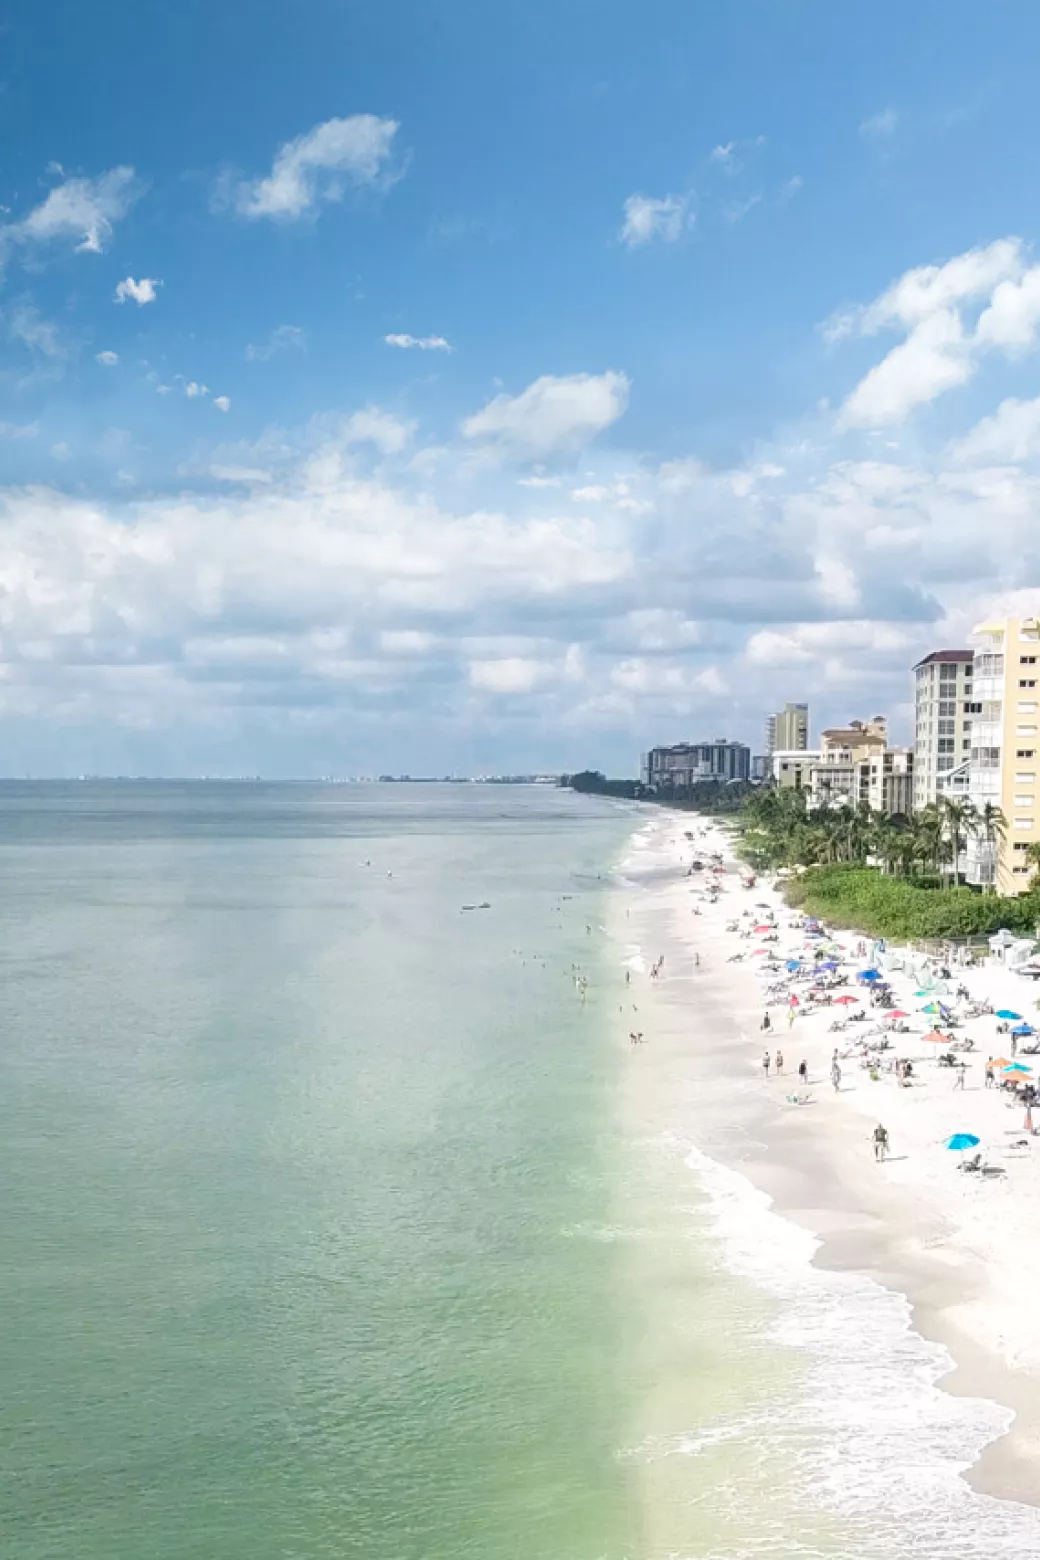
{"points": [[284, 338], [553, 415], [423, 343], [952, 315], [108, 359], [1011, 433], [647, 217], [318, 167], [141, 292], [222, 403], [193, 390], [83, 211]]}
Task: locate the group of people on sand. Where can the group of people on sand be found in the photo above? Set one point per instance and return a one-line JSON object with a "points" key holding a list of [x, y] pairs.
{"points": [[768, 1062]]}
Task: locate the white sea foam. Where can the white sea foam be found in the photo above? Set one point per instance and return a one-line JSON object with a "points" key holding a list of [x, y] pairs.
{"points": [[871, 1436]]}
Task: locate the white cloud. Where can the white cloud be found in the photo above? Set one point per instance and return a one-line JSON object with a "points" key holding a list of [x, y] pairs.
{"points": [[41, 336], [372, 426], [510, 674], [140, 292], [316, 167], [980, 301], [934, 357], [724, 153], [222, 403], [284, 338], [83, 210], [647, 218], [882, 126], [193, 390], [1011, 433], [18, 430], [109, 359], [554, 414], [423, 343]]}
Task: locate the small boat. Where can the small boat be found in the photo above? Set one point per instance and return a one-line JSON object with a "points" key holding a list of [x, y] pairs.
{"points": [[485, 904]]}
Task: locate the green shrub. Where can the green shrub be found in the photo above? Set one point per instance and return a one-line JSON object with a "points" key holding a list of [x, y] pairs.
{"points": [[867, 900]]}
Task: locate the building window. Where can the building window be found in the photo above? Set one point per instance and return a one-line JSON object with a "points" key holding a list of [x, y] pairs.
{"points": [[1023, 823], [1026, 707], [948, 707], [1021, 846], [1025, 752], [1025, 731], [1027, 660], [973, 709], [1027, 682], [1023, 801], [1025, 778]]}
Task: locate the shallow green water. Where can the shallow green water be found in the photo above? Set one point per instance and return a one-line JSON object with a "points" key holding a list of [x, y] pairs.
{"points": [[294, 1151]]}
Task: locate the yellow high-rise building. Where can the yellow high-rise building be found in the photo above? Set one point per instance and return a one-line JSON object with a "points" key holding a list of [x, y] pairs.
{"points": [[1005, 751]]}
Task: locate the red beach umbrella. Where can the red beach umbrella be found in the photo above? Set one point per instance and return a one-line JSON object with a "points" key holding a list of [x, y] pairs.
{"points": [[935, 1038], [844, 1001]]}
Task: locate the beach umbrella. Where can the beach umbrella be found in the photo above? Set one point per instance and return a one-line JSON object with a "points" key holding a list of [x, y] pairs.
{"points": [[937, 1038], [1022, 1029], [932, 1007], [869, 975], [794, 964], [898, 1014], [1007, 1013], [765, 927], [844, 1001], [962, 1140], [1016, 1067]]}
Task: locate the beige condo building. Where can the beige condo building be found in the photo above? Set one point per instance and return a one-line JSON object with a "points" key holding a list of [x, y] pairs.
{"points": [[788, 729], [1005, 744]]}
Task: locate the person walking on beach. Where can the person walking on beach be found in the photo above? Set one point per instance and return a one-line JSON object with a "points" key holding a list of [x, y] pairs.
{"points": [[958, 1082], [790, 1018], [880, 1142], [989, 1072], [767, 1022], [803, 1071], [765, 1063], [1014, 1045], [779, 1063], [835, 1072]]}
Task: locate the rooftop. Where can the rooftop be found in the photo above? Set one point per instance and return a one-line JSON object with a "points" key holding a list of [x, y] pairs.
{"points": [[946, 655]]}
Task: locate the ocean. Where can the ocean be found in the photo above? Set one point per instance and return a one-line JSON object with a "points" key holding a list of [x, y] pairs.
{"points": [[332, 1224]]}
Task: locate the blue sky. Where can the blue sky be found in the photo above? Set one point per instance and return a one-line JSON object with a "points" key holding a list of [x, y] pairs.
{"points": [[451, 387]]}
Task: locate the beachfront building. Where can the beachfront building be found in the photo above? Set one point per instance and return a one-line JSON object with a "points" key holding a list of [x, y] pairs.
{"points": [[944, 707], [1005, 742], [853, 766], [689, 763], [788, 730]]}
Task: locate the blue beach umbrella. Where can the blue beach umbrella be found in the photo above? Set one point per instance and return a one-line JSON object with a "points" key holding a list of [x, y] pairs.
{"points": [[1016, 1067], [963, 1140], [870, 975], [794, 964], [1007, 1013], [1022, 1029]]}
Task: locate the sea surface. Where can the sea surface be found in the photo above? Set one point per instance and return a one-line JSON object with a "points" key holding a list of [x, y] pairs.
{"points": [[327, 1227]]}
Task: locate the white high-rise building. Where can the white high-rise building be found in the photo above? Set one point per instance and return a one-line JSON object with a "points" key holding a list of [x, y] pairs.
{"points": [[944, 707]]}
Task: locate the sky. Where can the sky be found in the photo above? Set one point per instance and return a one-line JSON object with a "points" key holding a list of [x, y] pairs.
{"points": [[432, 386]]}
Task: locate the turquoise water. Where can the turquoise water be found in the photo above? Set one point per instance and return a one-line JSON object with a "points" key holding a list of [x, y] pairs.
{"points": [[336, 1222]]}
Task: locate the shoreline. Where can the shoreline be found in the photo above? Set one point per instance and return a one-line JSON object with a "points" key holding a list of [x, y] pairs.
{"points": [[911, 1227]]}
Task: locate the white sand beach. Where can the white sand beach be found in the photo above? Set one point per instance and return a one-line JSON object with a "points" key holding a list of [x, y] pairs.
{"points": [[962, 1246]]}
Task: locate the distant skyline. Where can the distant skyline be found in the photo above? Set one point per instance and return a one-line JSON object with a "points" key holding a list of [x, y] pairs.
{"points": [[469, 389]]}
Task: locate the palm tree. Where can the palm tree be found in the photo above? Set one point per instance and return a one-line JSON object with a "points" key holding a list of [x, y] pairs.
{"points": [[991, 829], [957, 821]]}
